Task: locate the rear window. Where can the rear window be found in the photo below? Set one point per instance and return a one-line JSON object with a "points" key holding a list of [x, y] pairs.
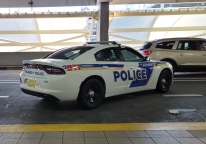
{"points": [[68, 53], [146, 45], [165, 45]]}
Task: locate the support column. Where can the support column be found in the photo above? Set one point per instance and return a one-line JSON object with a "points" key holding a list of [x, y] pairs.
{"points": [[103, 27]]}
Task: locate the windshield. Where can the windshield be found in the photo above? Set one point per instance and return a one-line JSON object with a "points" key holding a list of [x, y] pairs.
{"points": [[69, 53]]}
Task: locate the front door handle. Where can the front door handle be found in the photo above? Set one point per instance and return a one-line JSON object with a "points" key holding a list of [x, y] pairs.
{"points": [[204, 55], [131, 68], [181, 54]]}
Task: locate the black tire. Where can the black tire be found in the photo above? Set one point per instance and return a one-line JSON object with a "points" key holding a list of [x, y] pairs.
{"points": [[174, 66], [164, 81], [91, 94]]}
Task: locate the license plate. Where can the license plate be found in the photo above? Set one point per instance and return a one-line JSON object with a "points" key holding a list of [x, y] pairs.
{"points": [[31, 83]]}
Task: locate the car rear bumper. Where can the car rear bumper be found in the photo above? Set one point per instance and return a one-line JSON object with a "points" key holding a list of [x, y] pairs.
{"points": [[38, 94]]}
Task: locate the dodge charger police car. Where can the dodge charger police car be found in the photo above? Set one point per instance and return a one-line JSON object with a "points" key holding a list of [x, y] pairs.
{"points": [[91, 72]]}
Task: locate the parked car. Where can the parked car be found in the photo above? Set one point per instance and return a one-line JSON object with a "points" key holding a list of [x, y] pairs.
{"points": [[92, 72], [184, 54]]}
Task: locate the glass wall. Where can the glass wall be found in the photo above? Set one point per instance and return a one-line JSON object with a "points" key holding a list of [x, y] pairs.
{"points": [[31, 35]]}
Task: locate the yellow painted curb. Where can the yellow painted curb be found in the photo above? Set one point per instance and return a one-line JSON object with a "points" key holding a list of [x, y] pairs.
{"points": [[102, 127]]}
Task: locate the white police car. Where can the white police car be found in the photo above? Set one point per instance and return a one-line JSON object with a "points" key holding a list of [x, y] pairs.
{"points": [[92, 72]]}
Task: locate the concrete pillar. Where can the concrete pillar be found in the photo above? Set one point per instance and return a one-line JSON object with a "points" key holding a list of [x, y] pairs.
{"points": [[103, 27]]}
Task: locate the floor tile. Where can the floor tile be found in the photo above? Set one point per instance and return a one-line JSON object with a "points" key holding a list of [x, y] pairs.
{"points": [[189, 141], [94, 134], [198, 133], [12, 135], [8, 141], [51, 141], [73, 141], [32, 135], [142, 141], [96, 141], [52, 135], [136, 134], [165, 141], [115, 134], [73, 135], [119, 141], [180, 133], [203, 139], [157, 133], [29, 141]]}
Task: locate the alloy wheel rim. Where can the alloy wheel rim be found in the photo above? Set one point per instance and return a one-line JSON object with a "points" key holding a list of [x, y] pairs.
{"points": [[165, 81], [92, 94]]}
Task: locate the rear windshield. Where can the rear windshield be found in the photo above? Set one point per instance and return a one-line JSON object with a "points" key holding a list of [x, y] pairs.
{"points": [[146, 45], [68, 53]]}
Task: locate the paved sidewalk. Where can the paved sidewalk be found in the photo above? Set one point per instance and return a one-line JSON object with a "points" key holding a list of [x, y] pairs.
{"points": [[106, 137]]}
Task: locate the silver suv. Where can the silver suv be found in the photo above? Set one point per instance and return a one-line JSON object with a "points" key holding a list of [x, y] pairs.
{"points": [[184, 54]]}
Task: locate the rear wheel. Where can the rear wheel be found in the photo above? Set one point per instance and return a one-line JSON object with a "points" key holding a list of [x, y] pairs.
{"points": [[164, 81], [91, 94]]}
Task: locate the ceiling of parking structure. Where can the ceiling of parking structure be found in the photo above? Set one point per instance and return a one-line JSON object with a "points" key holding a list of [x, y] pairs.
{"points": [[183, 21], [46, 3], [56, 3], [136, 38], [25, 32], [138, 29], [27, 41], [151, 1]]}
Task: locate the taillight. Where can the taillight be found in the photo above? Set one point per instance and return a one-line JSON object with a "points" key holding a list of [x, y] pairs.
{"points": [[147, 52], [48, 69], [56, 71]]}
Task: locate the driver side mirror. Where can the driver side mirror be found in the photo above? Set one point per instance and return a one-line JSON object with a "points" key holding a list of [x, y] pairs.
{"points": [[147, 58]]}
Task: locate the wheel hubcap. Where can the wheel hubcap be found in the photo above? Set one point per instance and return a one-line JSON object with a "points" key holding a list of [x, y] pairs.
{"points": [[165, 81], [92, 94]]}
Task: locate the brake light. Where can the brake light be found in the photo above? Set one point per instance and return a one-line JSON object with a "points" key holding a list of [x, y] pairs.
{"points": [[147, 52], [56, 71], [48, 69]]}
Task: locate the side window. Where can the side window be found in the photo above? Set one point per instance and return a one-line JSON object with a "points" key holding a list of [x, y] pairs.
{"points": [[187, 45], [165, 45], [131, 55], [108, 54]]}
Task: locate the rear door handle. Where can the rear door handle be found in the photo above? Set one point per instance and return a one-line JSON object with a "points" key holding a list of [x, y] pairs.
{"points": [[204, 55], [181, 54], [131, 68]]}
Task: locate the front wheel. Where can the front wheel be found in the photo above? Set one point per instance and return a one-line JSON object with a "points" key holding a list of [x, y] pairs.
{"points": [[91, 94], [164, 81]]}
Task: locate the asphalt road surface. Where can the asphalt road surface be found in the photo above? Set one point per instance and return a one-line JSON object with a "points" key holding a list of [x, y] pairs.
{"points": [[187, 95]]}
